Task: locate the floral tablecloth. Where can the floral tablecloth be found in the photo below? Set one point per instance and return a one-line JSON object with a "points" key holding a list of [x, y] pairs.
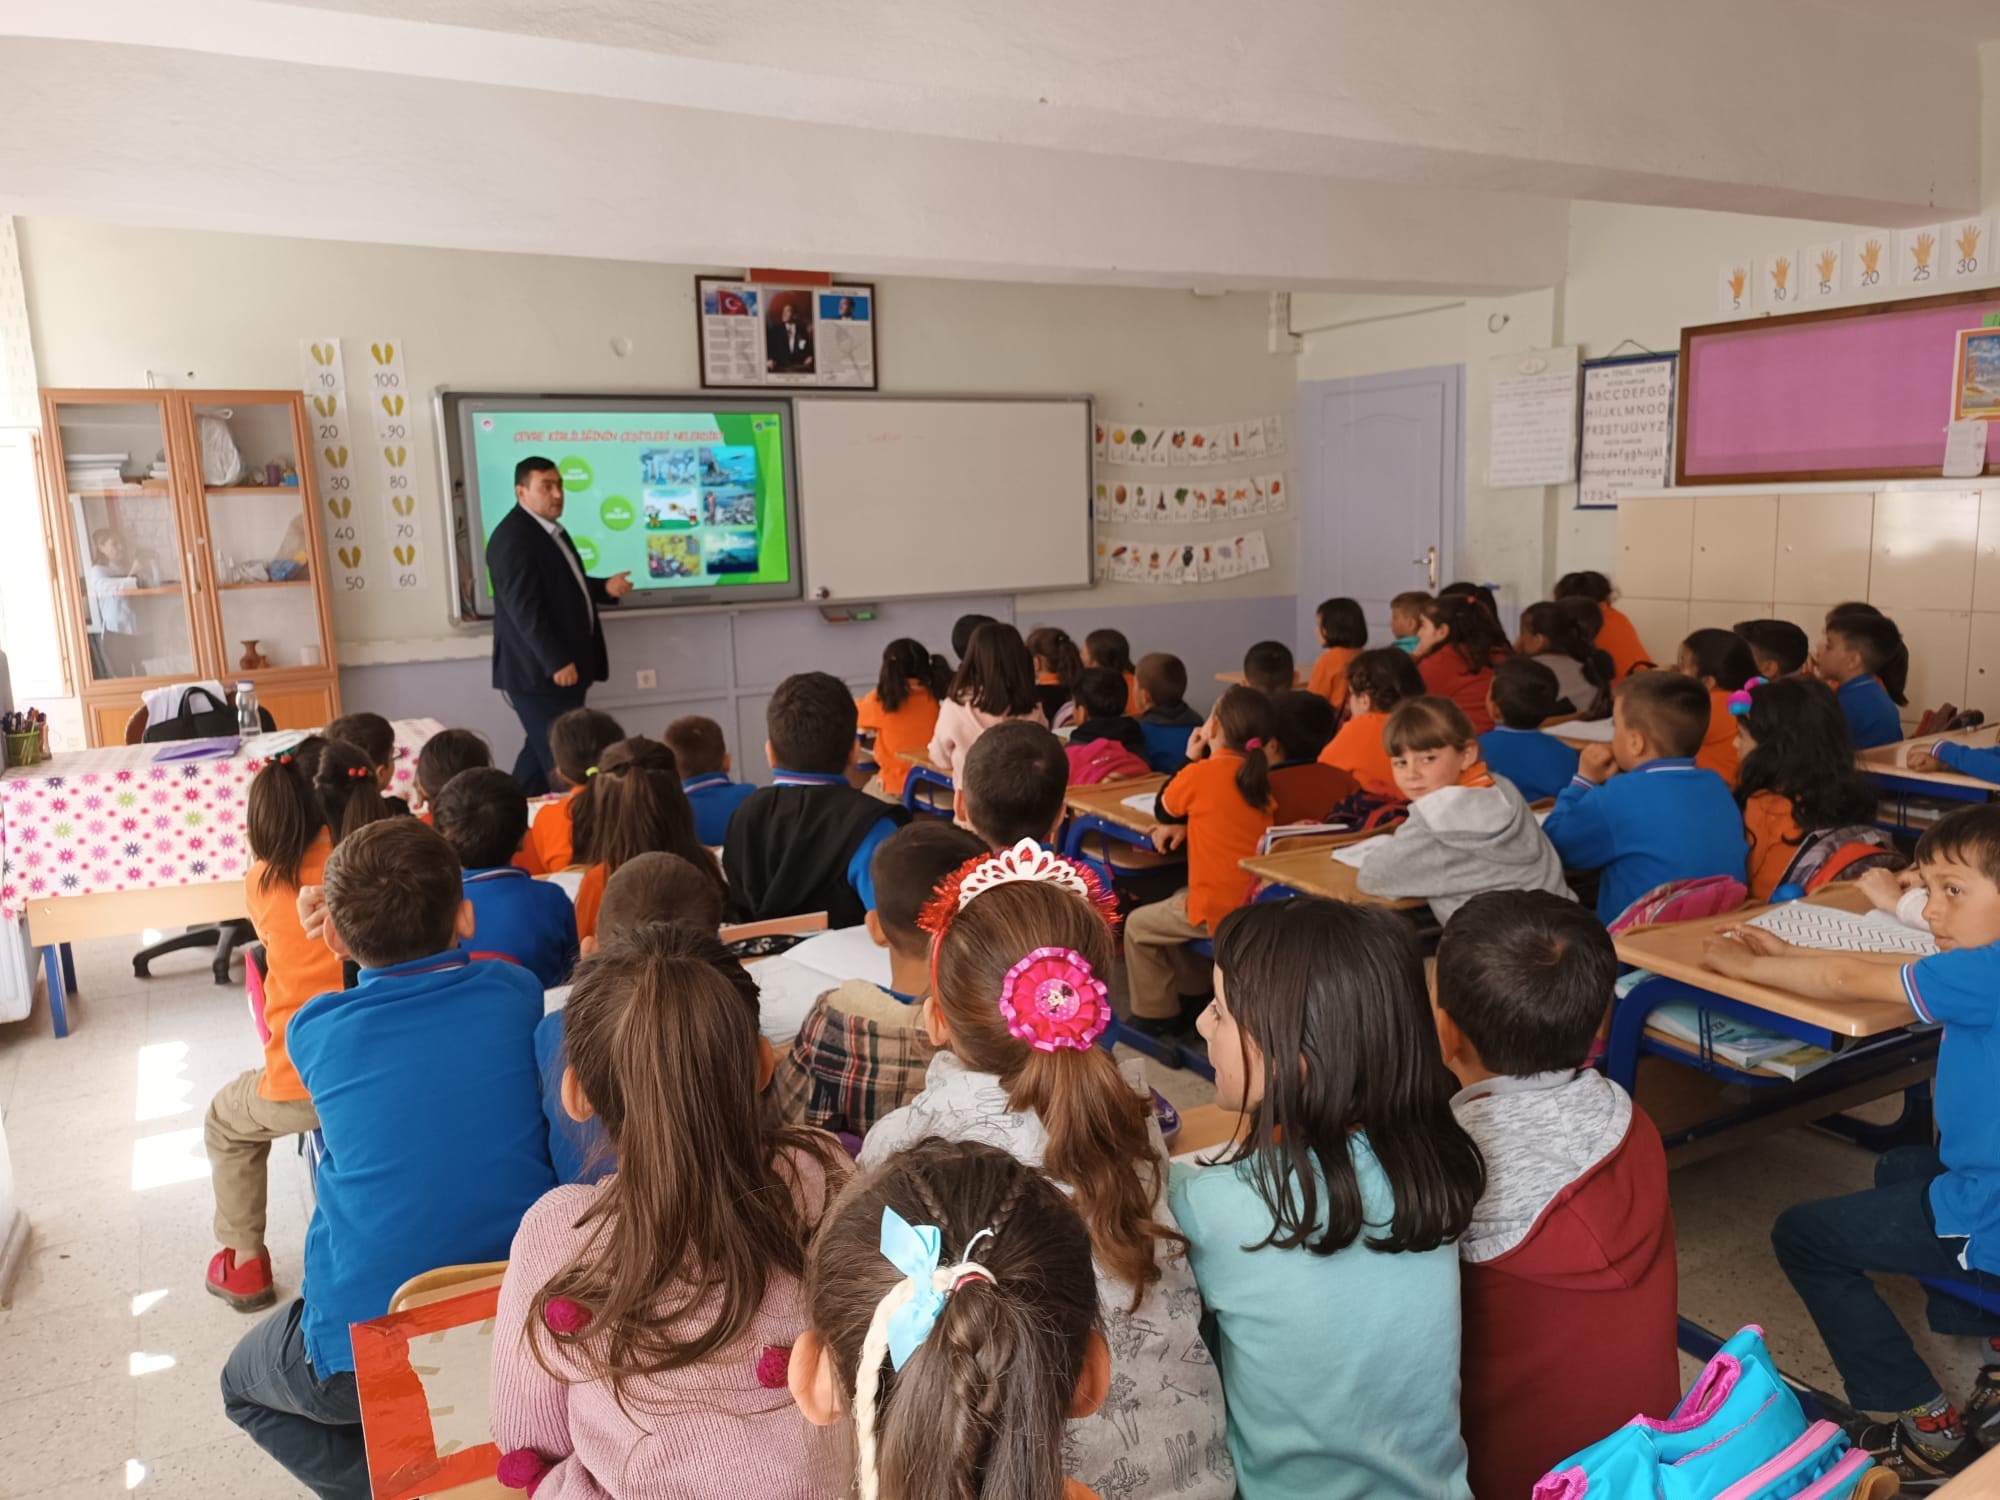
{"points": [[117, 820]]}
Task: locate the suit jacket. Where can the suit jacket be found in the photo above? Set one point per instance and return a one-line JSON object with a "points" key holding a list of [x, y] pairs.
{"points": [[540, 620], [778, 351]]}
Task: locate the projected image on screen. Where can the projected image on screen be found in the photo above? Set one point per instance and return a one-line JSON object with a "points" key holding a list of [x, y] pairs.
{"points": [[679, 499]]}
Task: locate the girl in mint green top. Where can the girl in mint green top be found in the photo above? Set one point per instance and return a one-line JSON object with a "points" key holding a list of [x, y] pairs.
{"points": [[1324, 1246]]}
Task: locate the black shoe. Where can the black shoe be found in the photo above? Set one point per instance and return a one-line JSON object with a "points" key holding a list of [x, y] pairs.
{"points": [[1981, 1412], [1921, 1467]]}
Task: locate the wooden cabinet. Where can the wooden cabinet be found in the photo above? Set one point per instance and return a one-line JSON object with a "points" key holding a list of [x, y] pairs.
{"points": [[185, 531]]}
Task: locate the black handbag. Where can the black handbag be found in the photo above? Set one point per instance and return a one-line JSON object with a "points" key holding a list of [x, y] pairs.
{"points": [[192, 722]]}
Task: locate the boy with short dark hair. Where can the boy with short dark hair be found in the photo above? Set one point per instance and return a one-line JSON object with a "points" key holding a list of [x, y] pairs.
{"points": [[1852, 656], [703, 759], [1934, 1211], [862, 1051], [1106, 745], [576, 739], [806, 843], [1523, 694], [442, 757], [1015, 787], [1406, 612], [1165, 720], [375, 737], [1268, 667], [423, 1076], [1307, 791], [1780, 648], [483, 815], [1574, 1229], [1639, 810]]}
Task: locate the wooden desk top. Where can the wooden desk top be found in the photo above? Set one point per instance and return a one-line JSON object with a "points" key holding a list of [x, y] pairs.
{"points": [[1315, 872], [1106, 800], [1675, 952], [922, 758], [1884, 760]]}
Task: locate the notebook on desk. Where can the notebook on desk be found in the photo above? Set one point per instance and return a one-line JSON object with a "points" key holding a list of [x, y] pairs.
{"points": [[1830, 928]]}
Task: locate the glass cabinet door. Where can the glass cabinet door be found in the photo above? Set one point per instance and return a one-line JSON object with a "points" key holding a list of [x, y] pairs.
{"points": [[259, 535], [131, 563]]}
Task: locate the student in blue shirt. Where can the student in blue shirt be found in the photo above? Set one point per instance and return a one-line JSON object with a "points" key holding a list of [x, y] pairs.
{"points": [[1863, 657], [1523, 694], [703, 759], [423, 1076], [483, 815], [1934, 1211], [1014, 788], [1639, 810]]}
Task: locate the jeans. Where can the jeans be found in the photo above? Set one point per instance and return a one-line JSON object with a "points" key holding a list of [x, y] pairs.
{"points": [[310, 1426], [1829, 1247], [537, 763]]}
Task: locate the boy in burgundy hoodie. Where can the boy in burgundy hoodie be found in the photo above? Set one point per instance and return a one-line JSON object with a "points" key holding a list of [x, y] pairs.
{"points": [[1568, 1266]]}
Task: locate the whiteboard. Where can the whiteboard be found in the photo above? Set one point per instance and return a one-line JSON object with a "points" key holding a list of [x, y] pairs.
{"points": [[909, 497]]}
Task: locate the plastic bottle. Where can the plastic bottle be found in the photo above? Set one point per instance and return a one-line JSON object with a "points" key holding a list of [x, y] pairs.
{"points": [[249, 723]]}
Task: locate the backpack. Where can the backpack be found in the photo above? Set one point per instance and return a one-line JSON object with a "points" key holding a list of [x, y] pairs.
{"points": [[1682, 901], [1829, 854]]}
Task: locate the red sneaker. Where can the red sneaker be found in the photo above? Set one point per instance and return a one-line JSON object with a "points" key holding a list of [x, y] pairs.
{"points": [[246, 1285]]}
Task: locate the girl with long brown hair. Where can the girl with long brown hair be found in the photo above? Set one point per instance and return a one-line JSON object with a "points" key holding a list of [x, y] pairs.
{"points": [[631, 804], [1022, 939], [643, 1321], [995, 682]]}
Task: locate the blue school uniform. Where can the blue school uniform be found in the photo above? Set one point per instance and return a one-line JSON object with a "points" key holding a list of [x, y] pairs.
{"points": [[573, 1144], [423, 1076], [1870, 711], [1961, 988], [715, 799], [1666, 820], [519, 917], [1539, 765], [1968, 760]]}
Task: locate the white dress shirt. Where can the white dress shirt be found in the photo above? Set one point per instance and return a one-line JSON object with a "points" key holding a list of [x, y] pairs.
{"points": [[554, 529]]}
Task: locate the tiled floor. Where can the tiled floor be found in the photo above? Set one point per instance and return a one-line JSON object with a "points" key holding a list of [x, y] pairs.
{"points": [[110, 1353]]}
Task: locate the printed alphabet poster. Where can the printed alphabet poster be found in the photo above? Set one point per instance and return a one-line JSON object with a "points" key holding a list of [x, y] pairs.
{"points": [[1627, 429]]}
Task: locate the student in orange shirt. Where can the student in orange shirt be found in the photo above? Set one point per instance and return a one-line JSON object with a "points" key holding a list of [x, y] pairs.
{"points": [[1110, 650], [1221, 802], [902, 712], [442, 757], [1618, 637], [1376, 682], [1797, 776], [632, 804], [303, 802], [1343, 635], [576, 740], [1721, 662]]}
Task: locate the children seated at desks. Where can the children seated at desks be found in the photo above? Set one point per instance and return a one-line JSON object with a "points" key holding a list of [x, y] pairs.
{"points": [[1022, 944], [805, 843], [861, 1051], [1110, 650], [1325, 1242], [1217, 808], [301, 804], [483, 815], [1457, 645], [650, 887], [423, 1079], [1639, 809], [633, 1342], [1524, 695], [1568, 1264], [1720, 661], [1014, 787], [1343, 635], [961, 632], [1268, 667], [703, 760], [1058, 664], [995, 682], [1306, 789], [1376, 682], [1467, 832], [442, 757], [902, 712], [1406, 613], [576, 740], [1863, 658], [375, 737], [1164, 717], [1780, 648], [1105, 745], [1798, 775], [633, 803], [1934, 1211], [1617, 637], [1011, 1260], [1562, 637]]}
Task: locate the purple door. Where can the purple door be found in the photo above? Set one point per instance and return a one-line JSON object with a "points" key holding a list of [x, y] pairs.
{"points": [[1381, 491]]}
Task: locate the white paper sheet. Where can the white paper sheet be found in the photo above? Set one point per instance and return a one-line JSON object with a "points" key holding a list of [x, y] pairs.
{"points": [[1356, 855], [1592, 731], [1828, 927], [1142, 802], [1964, 448]]}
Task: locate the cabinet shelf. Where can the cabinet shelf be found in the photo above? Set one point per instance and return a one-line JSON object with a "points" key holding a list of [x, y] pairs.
{"points": [[254, 489], [152, 593], [269, 583], [118, 492]]}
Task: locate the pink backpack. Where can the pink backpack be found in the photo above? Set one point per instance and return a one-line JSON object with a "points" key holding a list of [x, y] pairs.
{"points": [[1103, 760], [1683, 901]]}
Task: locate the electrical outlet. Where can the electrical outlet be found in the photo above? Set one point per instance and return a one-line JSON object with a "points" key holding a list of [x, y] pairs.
{"points": [[648, 679]]}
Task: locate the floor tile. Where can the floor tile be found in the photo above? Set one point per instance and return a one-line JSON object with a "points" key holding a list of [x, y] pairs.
{"points": [[230, 1469], [63, 1435], [79, 1272]]}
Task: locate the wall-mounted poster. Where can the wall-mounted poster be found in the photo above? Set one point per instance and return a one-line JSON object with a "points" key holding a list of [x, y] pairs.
{"points": [[1975, 387], [764, 334], [1626, 439]]}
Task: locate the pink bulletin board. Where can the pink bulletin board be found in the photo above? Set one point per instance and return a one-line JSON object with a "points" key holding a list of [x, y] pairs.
{"points": [[1848, 393]]}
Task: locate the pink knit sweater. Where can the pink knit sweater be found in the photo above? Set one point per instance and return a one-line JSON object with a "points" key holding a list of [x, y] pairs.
{"points": [[712, 1430]]}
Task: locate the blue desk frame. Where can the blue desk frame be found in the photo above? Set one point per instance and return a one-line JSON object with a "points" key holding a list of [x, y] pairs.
{"points": [[59, 973], [922, 776]]}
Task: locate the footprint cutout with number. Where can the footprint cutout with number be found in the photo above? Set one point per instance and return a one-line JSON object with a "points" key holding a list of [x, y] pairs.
{"points": [[385, 354], [336, 458], [393, 405], [326, 406], [404, 504], [323, 354], [350, 557], [396, 456], [405, 556], [340, 505]]}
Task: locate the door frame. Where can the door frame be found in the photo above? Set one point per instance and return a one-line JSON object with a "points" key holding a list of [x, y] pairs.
{"points": [[1315, 481]]}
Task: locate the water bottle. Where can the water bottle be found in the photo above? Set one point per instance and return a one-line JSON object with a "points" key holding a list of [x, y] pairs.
{"points": [[249, 723]]}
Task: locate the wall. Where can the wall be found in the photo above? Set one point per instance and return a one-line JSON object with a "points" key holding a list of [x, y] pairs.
{"points": [[108, 306]]}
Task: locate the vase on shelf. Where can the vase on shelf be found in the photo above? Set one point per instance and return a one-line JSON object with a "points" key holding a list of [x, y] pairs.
{"points": [[252, 659]]}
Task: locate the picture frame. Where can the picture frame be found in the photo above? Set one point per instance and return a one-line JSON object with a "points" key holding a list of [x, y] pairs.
{"points": [[756, 335], [1975, 378]]}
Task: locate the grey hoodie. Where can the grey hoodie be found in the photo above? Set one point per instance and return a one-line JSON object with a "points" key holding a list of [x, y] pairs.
{"points": [[1460, 842]]}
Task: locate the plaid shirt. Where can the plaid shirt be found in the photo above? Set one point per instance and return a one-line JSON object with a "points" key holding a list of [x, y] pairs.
{"points": [[846, 1071]]}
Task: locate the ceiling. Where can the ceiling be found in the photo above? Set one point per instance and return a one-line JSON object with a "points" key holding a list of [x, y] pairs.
{"points": [[1345, 145]]}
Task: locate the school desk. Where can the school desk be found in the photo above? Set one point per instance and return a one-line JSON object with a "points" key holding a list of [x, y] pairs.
{"points": [[1313, 871], [1899, 783], [928, 788], [97, 843], [1099, 820]]}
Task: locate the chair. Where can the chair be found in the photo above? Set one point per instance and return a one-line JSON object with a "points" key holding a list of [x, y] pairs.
{"points": [[435, 1286]]}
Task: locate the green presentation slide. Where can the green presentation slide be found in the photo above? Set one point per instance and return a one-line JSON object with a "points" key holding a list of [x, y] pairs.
{"points": [[678, 499]]}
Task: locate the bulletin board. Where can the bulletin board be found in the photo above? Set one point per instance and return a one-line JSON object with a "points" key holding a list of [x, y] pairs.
{"points": [[1846, 393]]}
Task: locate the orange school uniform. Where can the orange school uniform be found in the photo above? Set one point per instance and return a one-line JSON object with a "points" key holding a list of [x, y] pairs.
{"points": [[296, 967], [1618, 639], [1223, 831], [590, 896], [907, 728], [1774, 836], [1718, 746], [1329, 674], [1358, 750], [549, 834]]}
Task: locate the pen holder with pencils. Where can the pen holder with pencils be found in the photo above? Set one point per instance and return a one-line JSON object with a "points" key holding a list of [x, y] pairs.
{"points": [[25, 748]]}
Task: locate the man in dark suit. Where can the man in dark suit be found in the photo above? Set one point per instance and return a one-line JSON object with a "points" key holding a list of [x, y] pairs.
{"points": [[548, 646], [787, 341]]}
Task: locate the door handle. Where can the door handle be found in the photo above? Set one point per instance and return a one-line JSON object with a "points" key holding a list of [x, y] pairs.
{"points": [[1429, 563]]}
